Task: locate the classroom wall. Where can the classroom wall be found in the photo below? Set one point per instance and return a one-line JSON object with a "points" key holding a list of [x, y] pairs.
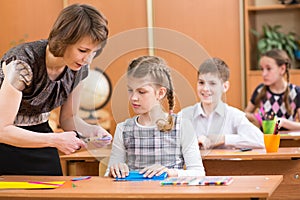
{"points": [[214, 26], [185, 33], [26, 20]]}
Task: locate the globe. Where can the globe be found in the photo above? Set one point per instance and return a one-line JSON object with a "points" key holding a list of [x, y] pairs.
{"points": [[96, 90]]}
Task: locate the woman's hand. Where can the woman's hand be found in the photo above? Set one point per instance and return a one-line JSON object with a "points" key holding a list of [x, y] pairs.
{"points": [[67, 142], [157, 170], [100, 137], [119, 170]]}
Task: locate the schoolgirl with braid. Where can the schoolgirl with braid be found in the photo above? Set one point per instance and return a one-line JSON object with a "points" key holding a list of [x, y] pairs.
{"points": [[154, 141], [217, 124], [276, 94]]}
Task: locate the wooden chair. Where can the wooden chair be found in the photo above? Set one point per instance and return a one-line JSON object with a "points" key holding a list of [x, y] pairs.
{"points": [[103, 166]]}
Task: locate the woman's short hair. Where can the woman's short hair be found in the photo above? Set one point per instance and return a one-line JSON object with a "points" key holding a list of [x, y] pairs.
{"points": [[75, 22]]}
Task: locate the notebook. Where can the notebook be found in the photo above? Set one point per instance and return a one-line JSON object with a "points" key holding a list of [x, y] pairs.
{"points": [[199, 180], [136, 176], [296, 133]]}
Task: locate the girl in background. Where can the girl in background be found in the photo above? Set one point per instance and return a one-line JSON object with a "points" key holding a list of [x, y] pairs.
{"points": [[276, 95], [153, 141]]}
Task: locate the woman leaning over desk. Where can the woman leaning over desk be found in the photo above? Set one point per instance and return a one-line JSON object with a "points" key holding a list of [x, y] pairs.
{"points": [[39, 76]]}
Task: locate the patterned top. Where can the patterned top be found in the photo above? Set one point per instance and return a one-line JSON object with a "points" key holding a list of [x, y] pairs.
{"points": [[146, 146], [274, 102], [26, 69]]}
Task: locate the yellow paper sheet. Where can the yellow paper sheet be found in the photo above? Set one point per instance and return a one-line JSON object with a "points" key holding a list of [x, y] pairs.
{"points": [[31, 185]]}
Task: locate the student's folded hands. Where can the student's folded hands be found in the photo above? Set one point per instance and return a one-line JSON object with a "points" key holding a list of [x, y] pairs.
{"points": [[211, 140], [204, 142]]}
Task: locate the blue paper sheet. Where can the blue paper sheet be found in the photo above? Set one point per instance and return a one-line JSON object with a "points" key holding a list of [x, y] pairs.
{"points": [[136, 176]]}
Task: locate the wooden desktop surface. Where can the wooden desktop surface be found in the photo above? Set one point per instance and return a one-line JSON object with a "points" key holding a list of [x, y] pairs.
{"points": [[283, 153], [286, 136], [286, 153], [242, 187]]}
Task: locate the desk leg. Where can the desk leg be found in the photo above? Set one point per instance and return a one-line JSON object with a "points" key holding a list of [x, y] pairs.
{"points": [[64, 167]]}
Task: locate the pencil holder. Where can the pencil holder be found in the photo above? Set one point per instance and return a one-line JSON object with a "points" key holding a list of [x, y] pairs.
{"points": [[271, 142], [268, 126]]}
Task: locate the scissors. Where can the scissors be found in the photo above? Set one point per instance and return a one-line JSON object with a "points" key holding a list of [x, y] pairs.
{"points": [[92, 139]]}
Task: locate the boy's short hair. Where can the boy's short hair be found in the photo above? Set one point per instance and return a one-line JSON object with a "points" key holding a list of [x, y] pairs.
{"points": [[215, 66]]}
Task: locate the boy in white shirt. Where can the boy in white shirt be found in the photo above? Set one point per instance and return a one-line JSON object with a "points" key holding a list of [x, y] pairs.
{"points": [[217, 124]]}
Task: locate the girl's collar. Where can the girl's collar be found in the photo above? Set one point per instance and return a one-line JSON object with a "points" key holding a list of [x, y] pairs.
{"points": [[278, 91]]}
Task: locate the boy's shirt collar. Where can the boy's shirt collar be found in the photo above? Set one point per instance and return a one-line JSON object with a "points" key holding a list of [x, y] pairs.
{"points": [[220, 110]]}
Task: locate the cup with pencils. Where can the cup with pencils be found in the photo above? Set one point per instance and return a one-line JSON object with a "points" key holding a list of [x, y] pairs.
{"points": [[271, 136], [268, 123]]}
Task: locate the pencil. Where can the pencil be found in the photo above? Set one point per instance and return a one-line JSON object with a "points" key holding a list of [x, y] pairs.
{"points": [[276, 127]]}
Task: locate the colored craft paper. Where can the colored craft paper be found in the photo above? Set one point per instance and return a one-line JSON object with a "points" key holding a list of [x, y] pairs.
{"points": [[136, 176], [31, 185]]}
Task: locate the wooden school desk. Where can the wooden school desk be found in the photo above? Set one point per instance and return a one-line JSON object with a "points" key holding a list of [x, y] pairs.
{"points": [[242, 187], [83, 162], [227, 162], [257, 162], [289, 138]]}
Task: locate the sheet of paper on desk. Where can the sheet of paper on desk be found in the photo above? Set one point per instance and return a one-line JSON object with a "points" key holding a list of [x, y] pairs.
{"points": [[294, 133], [30, 185], [136, 176]]}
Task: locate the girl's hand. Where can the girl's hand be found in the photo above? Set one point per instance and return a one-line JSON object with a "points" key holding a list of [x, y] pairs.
{"points": [[157, 170], [119, 170], [281, 122], [67, 142]]}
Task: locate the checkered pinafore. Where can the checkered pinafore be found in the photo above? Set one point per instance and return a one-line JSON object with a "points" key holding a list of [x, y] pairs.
{"points": [[147, 146]]}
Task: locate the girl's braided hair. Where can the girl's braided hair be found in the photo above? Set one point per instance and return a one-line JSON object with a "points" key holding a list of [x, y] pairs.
{"points": [[158, 71]]}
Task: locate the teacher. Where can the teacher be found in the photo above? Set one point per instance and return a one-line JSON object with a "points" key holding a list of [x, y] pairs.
{"points": [[39, 76]]}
